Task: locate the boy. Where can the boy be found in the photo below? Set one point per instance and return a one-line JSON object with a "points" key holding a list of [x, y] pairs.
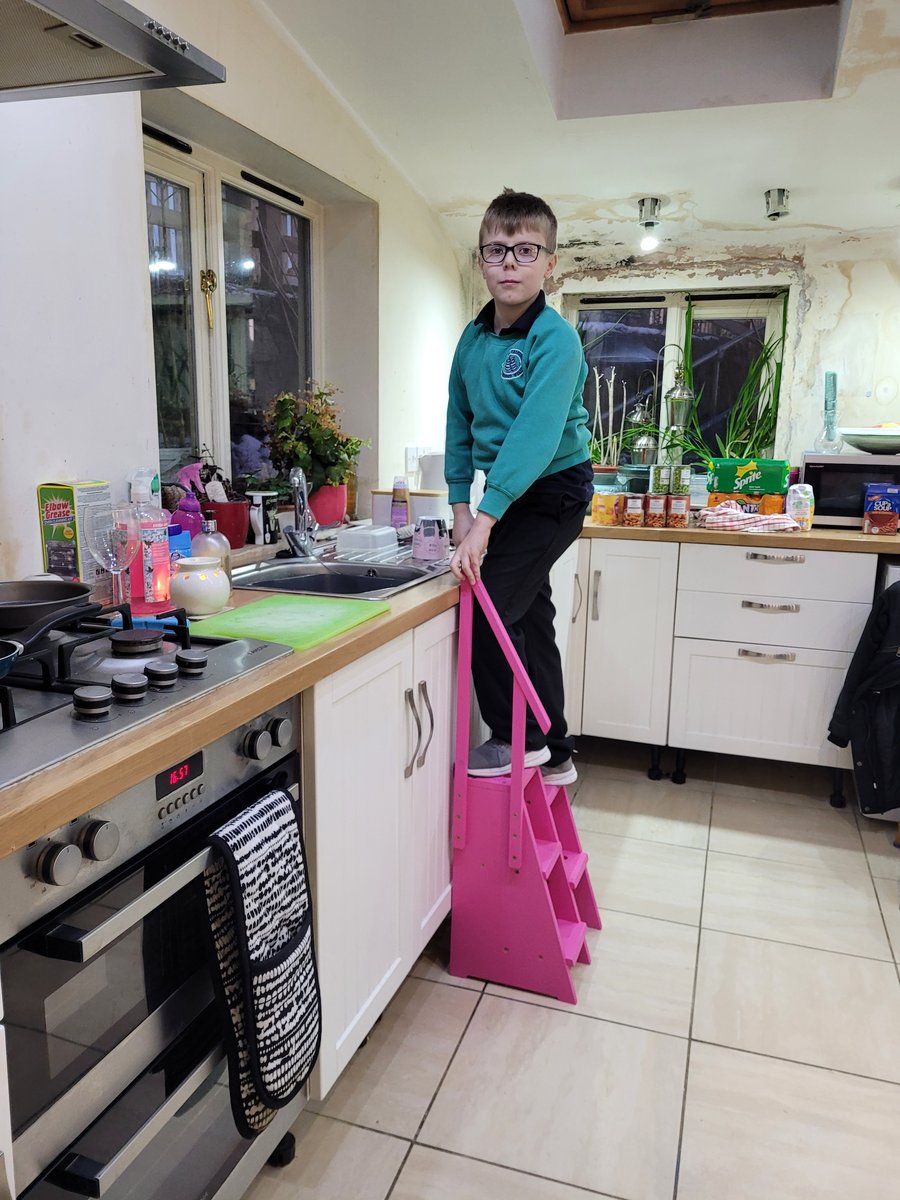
{"points": [[515, 412]]}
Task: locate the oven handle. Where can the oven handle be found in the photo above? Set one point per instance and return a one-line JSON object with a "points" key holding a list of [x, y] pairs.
{"points": [[87, 1177], [71, 944]]}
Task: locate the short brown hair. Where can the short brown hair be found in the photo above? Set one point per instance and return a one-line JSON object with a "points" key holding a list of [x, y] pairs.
{"points": [[511, 211]]}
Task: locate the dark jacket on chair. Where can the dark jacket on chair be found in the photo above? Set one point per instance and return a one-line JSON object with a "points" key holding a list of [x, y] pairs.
{"points": [[867, 713]]}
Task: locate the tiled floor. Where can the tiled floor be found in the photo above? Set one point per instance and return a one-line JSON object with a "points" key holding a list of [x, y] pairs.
{"points": [[737, 1035]]}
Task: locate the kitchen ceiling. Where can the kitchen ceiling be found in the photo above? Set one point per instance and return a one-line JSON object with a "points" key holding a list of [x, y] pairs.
{"points": [[466, 98]]}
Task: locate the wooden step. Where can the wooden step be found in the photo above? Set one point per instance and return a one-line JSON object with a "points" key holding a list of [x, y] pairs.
{"points": [[548, 854], [571, 934], [575, 863]]}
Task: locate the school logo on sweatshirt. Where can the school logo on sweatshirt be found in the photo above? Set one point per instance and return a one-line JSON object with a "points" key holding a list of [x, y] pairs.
{"points": [[513, 365]]}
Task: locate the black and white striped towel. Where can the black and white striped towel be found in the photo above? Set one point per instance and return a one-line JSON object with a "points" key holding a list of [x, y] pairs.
{"points": [[260, 913]]}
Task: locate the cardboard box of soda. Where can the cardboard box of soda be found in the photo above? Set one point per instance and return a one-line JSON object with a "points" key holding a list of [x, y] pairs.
{"points": [[756, 475], [61, 512]]}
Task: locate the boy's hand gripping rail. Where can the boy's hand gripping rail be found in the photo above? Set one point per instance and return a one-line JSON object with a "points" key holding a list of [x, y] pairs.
{"points": [[523, 692]]}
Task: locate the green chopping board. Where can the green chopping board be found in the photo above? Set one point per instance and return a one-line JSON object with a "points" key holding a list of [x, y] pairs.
{"points": [[298, 621]]}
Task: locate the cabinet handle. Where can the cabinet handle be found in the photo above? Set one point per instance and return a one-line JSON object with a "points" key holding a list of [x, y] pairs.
{"points": [[580, 599], [410, 700], [762, 656], [423, 692], [758, 556], [595, 597], [758, 606]]}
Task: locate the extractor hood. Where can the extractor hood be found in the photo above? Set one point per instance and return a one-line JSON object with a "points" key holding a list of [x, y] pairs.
{"points": [[76, 47]]}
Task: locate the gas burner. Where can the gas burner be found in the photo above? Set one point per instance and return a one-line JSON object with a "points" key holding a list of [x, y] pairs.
{"points": [[127, 643]]}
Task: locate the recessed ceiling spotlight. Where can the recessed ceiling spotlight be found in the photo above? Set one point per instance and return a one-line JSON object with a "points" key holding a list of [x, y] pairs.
{"points": [[777, 203], [648, 217]]}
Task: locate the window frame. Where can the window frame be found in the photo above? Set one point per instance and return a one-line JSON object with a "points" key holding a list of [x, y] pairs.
{"points": [[204, 172], [726, 305]]}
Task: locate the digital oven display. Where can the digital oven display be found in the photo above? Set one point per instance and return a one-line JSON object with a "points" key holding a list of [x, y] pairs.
{"points": [[179, 775]]}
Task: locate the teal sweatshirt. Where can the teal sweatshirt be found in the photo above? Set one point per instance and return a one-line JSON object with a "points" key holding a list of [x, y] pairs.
{"points": [[515, 409]]}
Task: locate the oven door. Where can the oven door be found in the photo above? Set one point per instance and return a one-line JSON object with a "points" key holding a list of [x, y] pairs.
{"points": [[97, 993]]}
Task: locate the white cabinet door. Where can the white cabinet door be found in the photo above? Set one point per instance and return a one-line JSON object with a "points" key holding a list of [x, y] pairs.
{"points": [[427, 850], [628, 654], [358, 734], [562, 586], [573, 662], [767, 702]]}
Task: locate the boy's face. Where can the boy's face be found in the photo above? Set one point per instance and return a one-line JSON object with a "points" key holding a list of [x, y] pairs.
{"points": [[511, 283]]}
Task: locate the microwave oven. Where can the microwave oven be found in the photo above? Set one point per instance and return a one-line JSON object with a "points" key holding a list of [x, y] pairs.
{"points": [[839, 483]]}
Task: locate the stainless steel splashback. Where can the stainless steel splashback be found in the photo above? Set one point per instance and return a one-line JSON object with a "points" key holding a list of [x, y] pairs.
{"points": [[76, 47]]}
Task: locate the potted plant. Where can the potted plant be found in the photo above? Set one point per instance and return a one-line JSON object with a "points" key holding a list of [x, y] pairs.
{"points": [[304, 431]]}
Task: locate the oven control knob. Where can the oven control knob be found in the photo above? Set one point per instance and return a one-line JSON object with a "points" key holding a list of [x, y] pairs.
{"points": [[258, 745], [99, 840], [130, 687], [161, 674], [59, 863], [282, 730], [92, 701]]}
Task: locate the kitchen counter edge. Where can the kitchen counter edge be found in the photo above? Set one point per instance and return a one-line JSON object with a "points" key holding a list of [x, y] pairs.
{"points": [[845, 540], [43, 802]]}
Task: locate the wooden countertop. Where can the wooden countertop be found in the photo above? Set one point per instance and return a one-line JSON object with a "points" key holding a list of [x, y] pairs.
{"points": [[44, 801], [817, 539]]}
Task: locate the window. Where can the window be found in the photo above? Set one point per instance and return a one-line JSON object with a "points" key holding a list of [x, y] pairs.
{"points": [[231, 287], [640, 340]]}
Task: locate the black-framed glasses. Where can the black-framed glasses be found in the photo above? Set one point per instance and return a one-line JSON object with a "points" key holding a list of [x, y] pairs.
{"points": [[523, 252]]}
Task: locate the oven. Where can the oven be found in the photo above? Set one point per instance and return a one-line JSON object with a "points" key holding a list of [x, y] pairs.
{"points": [[113, 1047]]}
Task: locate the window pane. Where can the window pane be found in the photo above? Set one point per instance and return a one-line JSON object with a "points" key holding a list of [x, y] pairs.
{"points": [[267, 318], [169, 236], [629, 341], [723, 349]]}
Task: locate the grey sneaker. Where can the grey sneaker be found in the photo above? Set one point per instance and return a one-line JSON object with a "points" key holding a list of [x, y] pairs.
{"points": [[560, 773], [494, 757]]}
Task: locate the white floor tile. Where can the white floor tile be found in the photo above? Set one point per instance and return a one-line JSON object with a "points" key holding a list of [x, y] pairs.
{"points": [[785, 832], [761, 779], [580, 1101], [390, 1081], [759, 1129], [434, 961], [889, 898], [638, 808], [755, 995], [641, 973], [819, 906], [334, 1161], [649, 879], [434, 1175], [878, 839]]}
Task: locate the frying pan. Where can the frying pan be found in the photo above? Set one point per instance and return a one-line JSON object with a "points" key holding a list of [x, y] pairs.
{"points": [[25, 601], [11, 649]]}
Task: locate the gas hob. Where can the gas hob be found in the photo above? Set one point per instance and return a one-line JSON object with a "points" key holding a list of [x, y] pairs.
{"points": [[103, 677]]}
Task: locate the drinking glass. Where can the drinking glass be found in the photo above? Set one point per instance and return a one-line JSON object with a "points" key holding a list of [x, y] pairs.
{"points": [[113, 538]]}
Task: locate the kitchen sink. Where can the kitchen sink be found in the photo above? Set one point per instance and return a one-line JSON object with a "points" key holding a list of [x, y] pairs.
{"points": [[370, 578]]}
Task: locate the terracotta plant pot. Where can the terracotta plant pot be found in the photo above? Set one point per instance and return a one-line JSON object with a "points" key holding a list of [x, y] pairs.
{"points": [[232, 518], [329, 504]]}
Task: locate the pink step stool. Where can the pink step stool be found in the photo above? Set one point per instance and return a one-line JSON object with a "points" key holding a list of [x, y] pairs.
{"points": [[522, 896]]}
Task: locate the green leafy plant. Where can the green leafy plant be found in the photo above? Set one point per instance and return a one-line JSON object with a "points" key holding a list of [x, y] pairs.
{"points": [[304, 431]]}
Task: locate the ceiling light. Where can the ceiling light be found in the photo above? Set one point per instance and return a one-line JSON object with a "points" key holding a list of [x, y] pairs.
{"points": [[777, 203], [648, 218], [248, 264]]}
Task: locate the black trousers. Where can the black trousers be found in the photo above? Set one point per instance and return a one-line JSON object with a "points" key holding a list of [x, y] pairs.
{"points": [[524, 544]]}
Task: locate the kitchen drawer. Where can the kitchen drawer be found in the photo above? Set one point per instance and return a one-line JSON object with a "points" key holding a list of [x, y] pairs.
{"points": [[779, 621], [767, 571], [765, 707]]}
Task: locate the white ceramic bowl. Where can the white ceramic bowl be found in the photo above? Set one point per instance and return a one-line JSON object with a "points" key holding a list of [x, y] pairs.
{"points": [[873, 441]]}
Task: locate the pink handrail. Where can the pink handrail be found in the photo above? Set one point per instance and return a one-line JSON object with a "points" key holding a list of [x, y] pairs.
{"points": [[523, 694]]}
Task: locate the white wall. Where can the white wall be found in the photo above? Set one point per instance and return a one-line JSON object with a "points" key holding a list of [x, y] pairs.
{"points": [[76, 361]]}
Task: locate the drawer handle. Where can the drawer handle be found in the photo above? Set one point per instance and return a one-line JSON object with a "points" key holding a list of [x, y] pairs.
{"points": [[595, 597], [758, 556], [758, 606], [761, 656]]}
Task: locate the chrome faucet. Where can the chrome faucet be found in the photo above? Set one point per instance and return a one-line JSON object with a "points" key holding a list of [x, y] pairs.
{"points": [[302, 538]]}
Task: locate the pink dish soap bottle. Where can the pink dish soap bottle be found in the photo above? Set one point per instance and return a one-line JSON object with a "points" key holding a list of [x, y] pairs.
{"points": [[149, 573]]}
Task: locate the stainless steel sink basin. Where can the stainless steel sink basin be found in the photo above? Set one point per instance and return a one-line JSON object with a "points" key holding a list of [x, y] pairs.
{"points": [[365, 579]]}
